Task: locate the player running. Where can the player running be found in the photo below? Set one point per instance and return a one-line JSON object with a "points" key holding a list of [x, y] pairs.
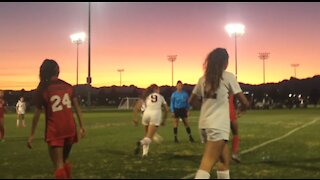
{"points": [[152, 117]]}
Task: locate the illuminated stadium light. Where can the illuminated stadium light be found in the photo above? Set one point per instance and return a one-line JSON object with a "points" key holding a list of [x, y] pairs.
{"points": [[235, 30], [77, 39]]}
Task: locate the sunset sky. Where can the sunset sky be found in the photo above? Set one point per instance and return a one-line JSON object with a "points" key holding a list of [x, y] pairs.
{"points": [[138, 37]]}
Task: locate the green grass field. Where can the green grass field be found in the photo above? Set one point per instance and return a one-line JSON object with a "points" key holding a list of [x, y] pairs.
{"points": [[107, 151]]}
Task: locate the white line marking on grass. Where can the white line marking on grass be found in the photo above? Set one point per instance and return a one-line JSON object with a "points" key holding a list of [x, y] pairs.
{"points": [[279, 138], [267, 142]]}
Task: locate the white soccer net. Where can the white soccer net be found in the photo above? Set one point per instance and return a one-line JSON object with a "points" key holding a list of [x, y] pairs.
{"points": [[127, 103]]}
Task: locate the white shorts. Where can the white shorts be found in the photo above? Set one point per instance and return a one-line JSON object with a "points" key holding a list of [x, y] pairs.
{"points": [[213, 135], [152, 117], [21, 112]]}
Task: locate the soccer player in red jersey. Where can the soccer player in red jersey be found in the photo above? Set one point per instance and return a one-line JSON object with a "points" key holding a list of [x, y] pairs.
{"points": [[56, 98], [1, 116], [234, 130]]}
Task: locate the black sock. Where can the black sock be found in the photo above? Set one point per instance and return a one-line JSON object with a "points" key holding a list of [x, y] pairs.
{"points": [[175, 131], [188, 131]]}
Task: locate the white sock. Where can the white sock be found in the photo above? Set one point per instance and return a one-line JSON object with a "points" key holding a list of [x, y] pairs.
{"points": [[23, 123], [17, 122], [223, 174], [145, 141], [145, 150], [201, 174]]}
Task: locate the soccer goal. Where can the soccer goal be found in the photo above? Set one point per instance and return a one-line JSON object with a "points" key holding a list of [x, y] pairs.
{"points": [[127, 102]]}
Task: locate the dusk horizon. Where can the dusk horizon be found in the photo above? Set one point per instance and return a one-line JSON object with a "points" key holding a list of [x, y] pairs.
{"points": [[138, 37]]}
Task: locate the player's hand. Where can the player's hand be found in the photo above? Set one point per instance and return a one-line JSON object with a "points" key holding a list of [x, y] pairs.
{"points": [[30, 141], [82, 132]]}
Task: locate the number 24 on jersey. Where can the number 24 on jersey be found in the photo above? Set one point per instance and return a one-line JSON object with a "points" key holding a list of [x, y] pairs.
{"points": [[59, 103]]}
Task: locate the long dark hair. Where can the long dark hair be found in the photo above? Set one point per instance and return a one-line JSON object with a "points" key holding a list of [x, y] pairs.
{"points": [[214, 66], [149, 90], [48, 69]]}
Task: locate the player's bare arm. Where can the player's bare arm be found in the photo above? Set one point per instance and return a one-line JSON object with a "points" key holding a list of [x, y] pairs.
{"points": [[79, 116], [35, 121]]}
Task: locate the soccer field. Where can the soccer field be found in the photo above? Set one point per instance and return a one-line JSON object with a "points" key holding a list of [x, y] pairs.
{"points": [[274, 144]]}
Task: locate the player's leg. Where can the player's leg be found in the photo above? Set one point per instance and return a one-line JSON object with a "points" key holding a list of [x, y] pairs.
{"points": [[235, 141], [23, 121], [224, 165], [56, 154], [175, 129], [18, 120], [1, 129], [211, 155], [188, 130], [145, 147], [67, 165]]}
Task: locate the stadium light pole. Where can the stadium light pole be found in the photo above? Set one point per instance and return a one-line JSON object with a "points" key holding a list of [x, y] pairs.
{"points": [[120, 71], [264, 56], [235, 30], [78, 39], [172, 58], [295, 69], [89, 80]]}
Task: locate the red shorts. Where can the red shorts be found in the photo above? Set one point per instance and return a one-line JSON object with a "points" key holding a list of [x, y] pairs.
{"points": [[63, 141]]}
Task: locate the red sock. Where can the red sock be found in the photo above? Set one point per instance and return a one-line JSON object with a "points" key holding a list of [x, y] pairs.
{"points": [[235, 144], [60, 174], [67, 167]]}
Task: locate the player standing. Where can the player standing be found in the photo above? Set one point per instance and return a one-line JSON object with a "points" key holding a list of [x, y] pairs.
{"points": [[179, 106], [21, 110], [57, 98], [214, 87], [2, 104]]}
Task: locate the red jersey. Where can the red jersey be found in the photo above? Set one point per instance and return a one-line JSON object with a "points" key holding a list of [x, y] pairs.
{"points": [[1, 108], [233, 115], [57, 101]]}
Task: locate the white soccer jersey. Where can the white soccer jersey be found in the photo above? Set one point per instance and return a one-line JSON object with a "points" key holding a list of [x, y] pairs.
{"points": [[21, 107], [153, 110], [215, 110], [154, 102]]}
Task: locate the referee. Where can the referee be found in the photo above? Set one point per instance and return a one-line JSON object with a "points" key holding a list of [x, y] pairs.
{"points": [[179, 106]]}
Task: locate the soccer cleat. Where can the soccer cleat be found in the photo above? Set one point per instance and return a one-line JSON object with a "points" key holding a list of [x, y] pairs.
{"points": [[176, 140], [235, 158], [191, 139], [137, 149]]}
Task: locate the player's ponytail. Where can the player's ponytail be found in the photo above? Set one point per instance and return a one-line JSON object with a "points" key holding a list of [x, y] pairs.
{"points": [[214, 66], [48, 69]]}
